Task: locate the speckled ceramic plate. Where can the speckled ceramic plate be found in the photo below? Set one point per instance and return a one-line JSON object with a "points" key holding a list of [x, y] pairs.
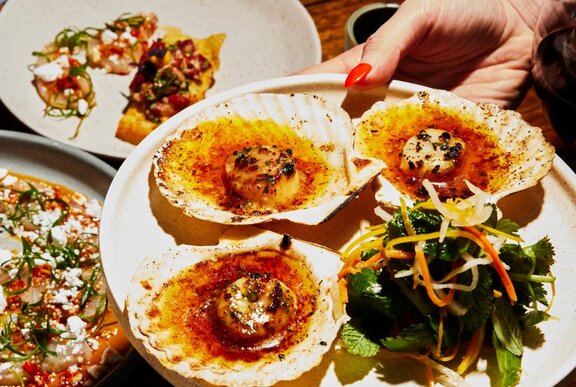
{"points": [[50, 160], [264, 39], [138, 222]]}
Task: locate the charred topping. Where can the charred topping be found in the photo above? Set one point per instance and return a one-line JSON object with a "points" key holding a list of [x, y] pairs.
{"points": [[286, 242]]}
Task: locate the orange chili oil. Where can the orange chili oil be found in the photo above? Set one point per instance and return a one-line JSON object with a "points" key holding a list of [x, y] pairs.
{"points": [[185, 306], [383, 136], [197, 160]]}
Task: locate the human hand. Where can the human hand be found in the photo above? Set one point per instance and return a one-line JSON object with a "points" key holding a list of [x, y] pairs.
{"points": [[479, 49]]}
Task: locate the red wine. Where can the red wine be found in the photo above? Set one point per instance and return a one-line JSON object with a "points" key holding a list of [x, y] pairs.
{"points": [[554, 73]]}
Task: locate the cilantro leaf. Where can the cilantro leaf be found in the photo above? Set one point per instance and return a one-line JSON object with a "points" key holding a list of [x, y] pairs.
{"points": [[543, 252], [508, 226], [534, 317]]}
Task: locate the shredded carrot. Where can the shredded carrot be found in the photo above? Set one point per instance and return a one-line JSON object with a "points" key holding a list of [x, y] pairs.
{"points": [[373, 259], [429, 375], [473, 350], [343, 289], [421, 260], [452, 355], [496, 262], [399, 254], [345, 271]]}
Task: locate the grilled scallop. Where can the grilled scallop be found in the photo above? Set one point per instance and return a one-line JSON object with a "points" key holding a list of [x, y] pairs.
{"points": [[261, 157], [448, 140], [257, 308]]}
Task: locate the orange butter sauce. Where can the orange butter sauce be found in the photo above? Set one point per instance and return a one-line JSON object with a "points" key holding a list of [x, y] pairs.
{"points": [[185, 307], [199, 156], [383, 136]]}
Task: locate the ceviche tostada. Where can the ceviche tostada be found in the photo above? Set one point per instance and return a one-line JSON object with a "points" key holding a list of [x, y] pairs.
{"points": [[55, 325], [438, 281], [173, 71]]}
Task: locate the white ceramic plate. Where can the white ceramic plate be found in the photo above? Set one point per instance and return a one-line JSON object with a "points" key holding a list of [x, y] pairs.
{"points": [[137, 222], [264, 39]]}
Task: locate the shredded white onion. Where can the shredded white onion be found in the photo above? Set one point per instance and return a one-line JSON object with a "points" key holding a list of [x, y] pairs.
{"points": [[381, 213], [467, 212]]}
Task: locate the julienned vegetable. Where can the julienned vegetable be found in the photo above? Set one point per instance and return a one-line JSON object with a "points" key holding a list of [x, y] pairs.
{"points": [[439, 280]]}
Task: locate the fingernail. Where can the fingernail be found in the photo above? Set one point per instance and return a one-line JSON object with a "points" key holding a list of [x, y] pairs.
{"points": [[357, 74]]}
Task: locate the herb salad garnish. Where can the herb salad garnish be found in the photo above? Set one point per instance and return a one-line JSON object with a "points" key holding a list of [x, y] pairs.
{"points": [[437, 281], [54, 315]]}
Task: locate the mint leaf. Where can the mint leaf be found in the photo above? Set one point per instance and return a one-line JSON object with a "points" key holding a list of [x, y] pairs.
{"points": [[411, 339], [357, 342], [479, 301], [507, 327], [508, 364], [366, 295]]}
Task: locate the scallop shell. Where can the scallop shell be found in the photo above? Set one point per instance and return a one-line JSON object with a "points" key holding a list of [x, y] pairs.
{"points": [[324, 323], [326, 125], [528, 154]]}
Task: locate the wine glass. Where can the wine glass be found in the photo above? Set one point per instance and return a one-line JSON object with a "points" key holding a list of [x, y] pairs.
{"points": [[554, 65]]}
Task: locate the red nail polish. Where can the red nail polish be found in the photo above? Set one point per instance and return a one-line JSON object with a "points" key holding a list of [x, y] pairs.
{"points": [[357, 74]]}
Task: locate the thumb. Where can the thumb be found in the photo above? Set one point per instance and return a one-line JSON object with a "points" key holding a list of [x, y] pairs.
{"points": [[385, 48]]}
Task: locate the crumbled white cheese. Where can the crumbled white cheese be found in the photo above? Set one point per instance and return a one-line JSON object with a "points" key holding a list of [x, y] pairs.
{"points": [[108, 36], [3, 302], [80, 56], [3, 173], [61, 296], [114, 58], [45, 220], [82, 106], [48, 72], [59, 238], [5, 368], [9, 180], [127, 35], [48, 259], [62, 61], [93, 208], [72, 277], [76, 325]]}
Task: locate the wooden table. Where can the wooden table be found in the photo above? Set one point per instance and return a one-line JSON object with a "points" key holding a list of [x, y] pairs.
{"points": [[330, 17]]}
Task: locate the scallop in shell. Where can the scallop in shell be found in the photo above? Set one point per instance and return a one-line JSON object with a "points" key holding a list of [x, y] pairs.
{"points": [[446, 139], [260, 157], [255, 309]]}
